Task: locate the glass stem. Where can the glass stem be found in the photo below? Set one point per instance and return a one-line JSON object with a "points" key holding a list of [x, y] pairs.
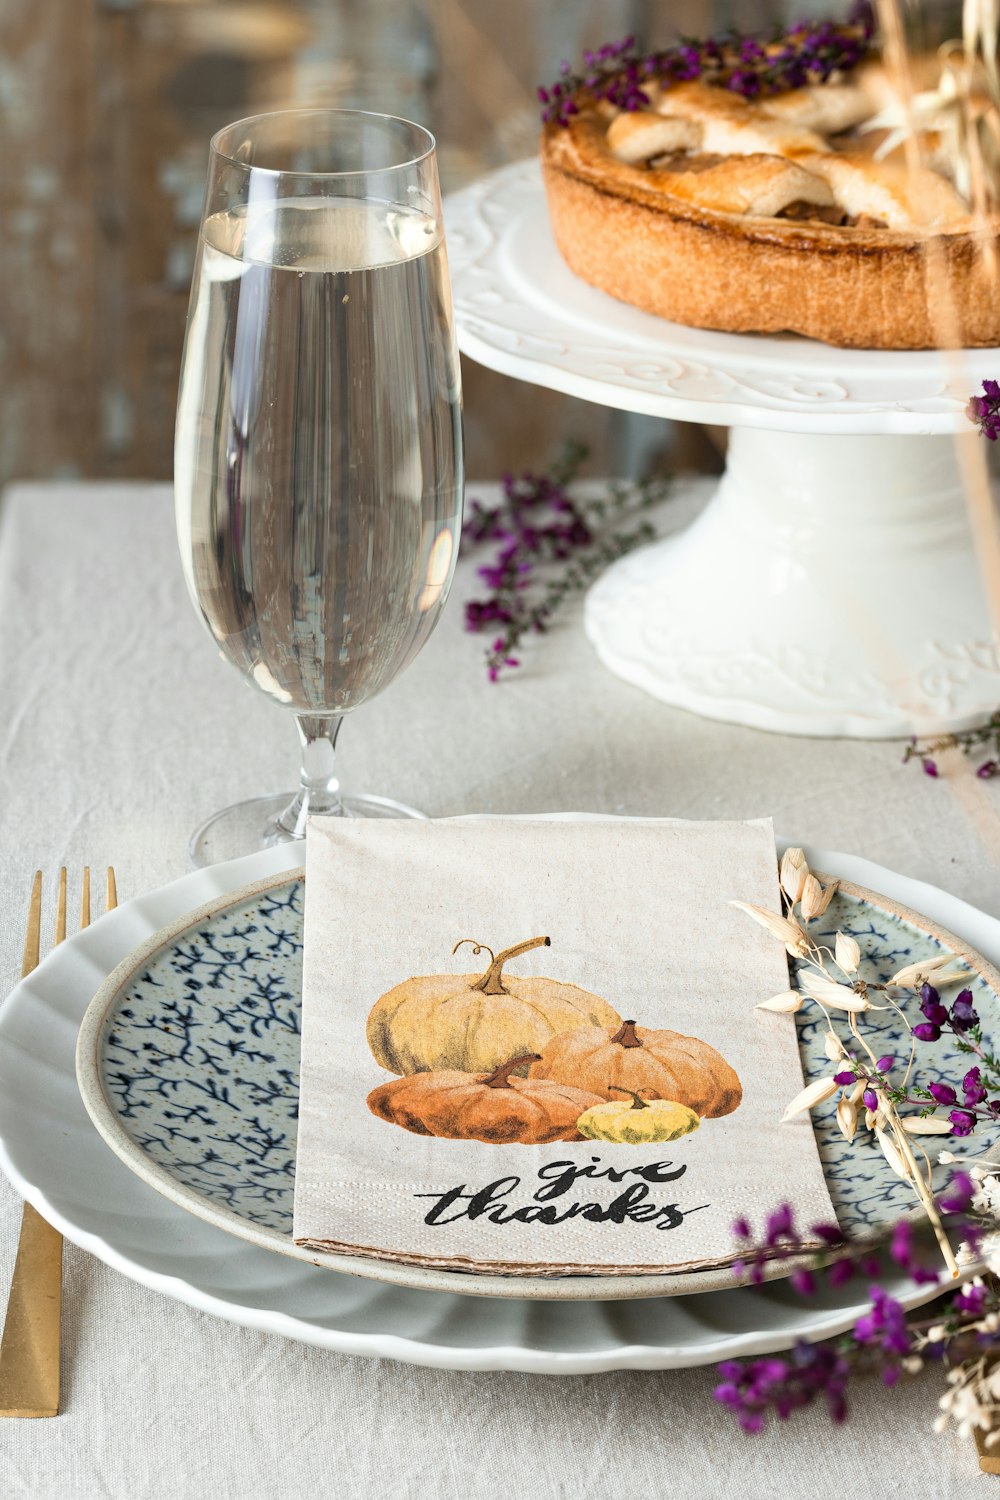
{"points": [[319, 789]]}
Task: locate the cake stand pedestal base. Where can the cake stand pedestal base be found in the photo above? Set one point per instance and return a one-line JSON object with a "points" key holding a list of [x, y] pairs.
{"points": [[830, 587]]}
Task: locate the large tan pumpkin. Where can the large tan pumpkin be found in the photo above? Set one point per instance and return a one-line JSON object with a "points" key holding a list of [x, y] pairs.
{"points": [[662, 1064], [496, 1108], [471, 1023]]}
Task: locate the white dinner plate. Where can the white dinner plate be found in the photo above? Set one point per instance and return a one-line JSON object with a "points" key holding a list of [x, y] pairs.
{"points": [[57, 1160]]}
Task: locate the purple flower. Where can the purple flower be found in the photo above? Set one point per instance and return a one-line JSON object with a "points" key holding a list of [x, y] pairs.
{"points": [[961, 1191], [758, 1387], [741, 1229], [930, 766], [500, 659], [988, 769], [885, 1325], [930, 1005], [902, 1250], [972, 1087], [936, 1015], [970, 1301], [984, 411], [943, 1093], [962, 1123], [840, 1272], [482, 612], [844, 1078], [830, 1234], [901, 1243], [886, 1064], [963, 1016], [780, 1225], [870, 1099]]}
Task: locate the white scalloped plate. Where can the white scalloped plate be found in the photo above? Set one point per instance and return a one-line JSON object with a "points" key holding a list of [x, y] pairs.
{"points": [[55, 1158], [520, 310]]}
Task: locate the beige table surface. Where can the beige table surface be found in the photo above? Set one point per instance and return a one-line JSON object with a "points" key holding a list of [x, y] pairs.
{"points": [[120, 729]]}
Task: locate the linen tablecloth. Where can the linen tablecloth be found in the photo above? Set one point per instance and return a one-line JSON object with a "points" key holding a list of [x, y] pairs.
{"points": [[120, 729]]}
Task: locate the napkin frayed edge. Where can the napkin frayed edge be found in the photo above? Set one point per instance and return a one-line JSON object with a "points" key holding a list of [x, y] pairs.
{"points": [[541, 1268]]}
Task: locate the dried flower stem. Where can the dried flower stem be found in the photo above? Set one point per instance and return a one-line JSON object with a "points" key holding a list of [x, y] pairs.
{"points": [[831, 980], [551, 544]]}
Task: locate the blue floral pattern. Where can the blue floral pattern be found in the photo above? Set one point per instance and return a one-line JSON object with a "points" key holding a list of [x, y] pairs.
{"points": [[200, 1057]]}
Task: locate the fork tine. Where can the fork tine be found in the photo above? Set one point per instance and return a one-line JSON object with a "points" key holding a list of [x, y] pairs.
{"points": [[85, 898], [61, 907], [33, 933], [111, 896]]}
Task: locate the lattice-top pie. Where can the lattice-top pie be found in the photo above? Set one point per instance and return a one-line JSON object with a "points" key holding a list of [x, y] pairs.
{"points": [[771, 213]]}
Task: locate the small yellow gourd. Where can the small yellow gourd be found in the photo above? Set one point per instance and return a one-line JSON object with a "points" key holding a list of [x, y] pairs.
{"points": [[639, 1123]]}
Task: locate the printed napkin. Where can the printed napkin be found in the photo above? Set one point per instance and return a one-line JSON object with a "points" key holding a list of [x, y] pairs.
{"points": [[531, 1046]]}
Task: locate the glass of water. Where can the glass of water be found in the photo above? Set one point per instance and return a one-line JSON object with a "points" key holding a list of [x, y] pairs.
{"points": [[318, 464]]}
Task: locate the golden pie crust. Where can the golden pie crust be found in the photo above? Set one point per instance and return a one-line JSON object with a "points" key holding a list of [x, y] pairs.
{"points": [[676, 239]]}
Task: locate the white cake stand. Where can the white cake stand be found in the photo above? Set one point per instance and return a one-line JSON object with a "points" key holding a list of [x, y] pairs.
{"points": [[831, 586]]}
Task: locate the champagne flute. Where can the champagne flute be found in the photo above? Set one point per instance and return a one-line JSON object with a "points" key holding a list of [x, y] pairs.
{"points": [[318, 461]]}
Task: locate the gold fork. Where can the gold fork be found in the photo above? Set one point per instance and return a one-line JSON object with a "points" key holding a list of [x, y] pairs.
{"points": [[29, 1350]]}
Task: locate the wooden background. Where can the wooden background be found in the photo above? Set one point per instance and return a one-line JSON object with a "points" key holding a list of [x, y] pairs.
{"points": [[106, 108]]}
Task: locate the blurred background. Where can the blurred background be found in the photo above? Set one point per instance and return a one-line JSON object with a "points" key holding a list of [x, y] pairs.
{"points": [[106, 109]]}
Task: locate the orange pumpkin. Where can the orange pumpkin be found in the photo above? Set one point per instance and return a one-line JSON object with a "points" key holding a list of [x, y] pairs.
{"points": [[496, 1108], [663, 1064]]}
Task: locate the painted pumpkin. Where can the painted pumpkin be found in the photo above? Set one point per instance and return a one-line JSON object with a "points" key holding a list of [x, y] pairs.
{"points": [[497, 1107], [634, 1122], [663, 1064], [470, 1023]]}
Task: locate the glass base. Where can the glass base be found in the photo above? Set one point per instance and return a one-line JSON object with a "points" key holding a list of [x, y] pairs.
{"points": [[248, 827]]}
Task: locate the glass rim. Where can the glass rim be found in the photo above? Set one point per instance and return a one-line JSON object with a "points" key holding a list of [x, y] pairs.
{"points": [[363, 114]]}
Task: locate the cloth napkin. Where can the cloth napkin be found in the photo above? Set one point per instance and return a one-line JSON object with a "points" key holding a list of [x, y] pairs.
{"points": [[603, 1097]]}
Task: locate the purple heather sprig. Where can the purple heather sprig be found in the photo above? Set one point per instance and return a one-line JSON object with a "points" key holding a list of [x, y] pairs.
{"points": [[897, 1106], [549, 545], [751, 66], [968, 741], [966, 1322], [753, 1388]]}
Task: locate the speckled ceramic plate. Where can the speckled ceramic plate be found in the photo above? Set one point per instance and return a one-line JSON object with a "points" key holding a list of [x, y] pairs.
{"points": [[188, 1063]]}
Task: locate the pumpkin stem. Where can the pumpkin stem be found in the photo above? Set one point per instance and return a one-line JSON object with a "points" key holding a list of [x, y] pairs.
{"points": [[477, 948], [626, 1036], [492, 981], [638, 1102], [500, 1078]]}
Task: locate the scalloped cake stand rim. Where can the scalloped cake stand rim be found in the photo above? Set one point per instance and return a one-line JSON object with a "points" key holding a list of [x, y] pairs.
{"points": [[520, 311]]}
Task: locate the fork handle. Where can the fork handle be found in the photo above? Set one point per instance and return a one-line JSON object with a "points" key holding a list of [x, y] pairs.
{"points": [[29, 1352]]}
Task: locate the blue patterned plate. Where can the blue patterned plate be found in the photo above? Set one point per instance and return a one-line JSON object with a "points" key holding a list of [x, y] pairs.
{"points": [[188, 1063]]}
